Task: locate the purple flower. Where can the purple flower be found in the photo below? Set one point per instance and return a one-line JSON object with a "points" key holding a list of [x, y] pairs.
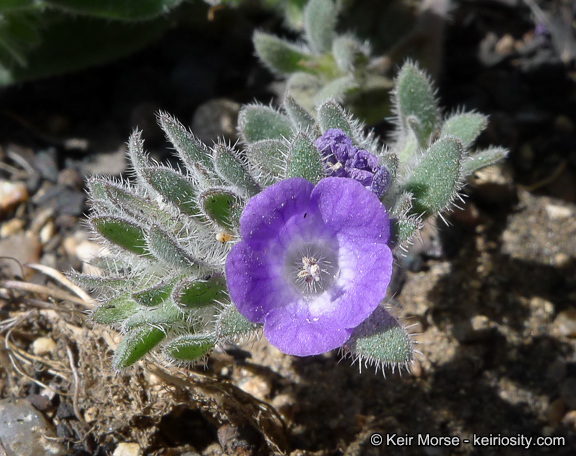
{"points": [[312, 264], [345, 160]]}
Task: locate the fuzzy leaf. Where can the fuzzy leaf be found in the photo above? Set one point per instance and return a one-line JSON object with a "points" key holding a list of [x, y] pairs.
{"points": [[465, 126], [261, 122], [196, 294], [166, 315], [304, 160], [136, 344], [153, 296], [437, 177], [191, 150], [97, 189], [304, 87], [100, 283], [135, 206], [331, 115], [281, 56], [266, 159], [380, 340], [319, 23], [336, 89], [404, 228], [402, 205], [101, 202], [121, 232], [232, 171], [222, 206], [10, 5], [347, 52], [167, 249], [173, 187], [415, 98], [35, 42], [299, 116], [115, 310], [190, 347], [232, 325], [136, 154], [483, 158], [118, 9]]}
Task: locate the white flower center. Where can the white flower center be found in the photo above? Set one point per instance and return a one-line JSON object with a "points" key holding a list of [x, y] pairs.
{"points": [[312, 268]]}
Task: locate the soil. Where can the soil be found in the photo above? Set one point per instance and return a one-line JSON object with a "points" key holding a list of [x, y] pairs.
{"points": [[491, 296]]}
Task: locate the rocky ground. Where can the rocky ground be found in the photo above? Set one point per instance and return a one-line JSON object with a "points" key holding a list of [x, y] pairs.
{"points": [[491, 297]]}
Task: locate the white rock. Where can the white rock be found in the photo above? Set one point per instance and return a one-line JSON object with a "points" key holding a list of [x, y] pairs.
{"points": [[43, 346], [127, 449]]}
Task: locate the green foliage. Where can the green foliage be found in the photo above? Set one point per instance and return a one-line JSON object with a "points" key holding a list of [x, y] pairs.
{"points": [[380, 340], [136, 344], [319, 23], [437, 177], [280, 56], [200, 293], [122, 232], [327, 65], [415, 103], [35, 35], [223, 207], [169, 232], [258, 123], [126, 10], [189, 348], [304, 160]]}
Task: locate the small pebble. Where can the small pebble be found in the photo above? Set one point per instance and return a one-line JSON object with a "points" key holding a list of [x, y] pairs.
{"points": [[256, 386], [25, 432], [556, 212], [24, 248], [570, 419], [11, 227], [127, 449], [43, 346], [47, 232], [91, 414], [11, 194], [565, 323]]}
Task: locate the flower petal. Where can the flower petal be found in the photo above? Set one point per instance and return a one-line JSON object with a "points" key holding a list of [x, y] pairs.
{"points": [[349, 209], [254, 283], [365, 272], [294, 331], [266, 212]]}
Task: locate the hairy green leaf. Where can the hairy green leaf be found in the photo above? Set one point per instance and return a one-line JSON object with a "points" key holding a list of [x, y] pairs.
{"points": [[437, 177], [304, 160], [190, 347], [136, 344], [258, 122], [122, 232], [464, 126]]}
